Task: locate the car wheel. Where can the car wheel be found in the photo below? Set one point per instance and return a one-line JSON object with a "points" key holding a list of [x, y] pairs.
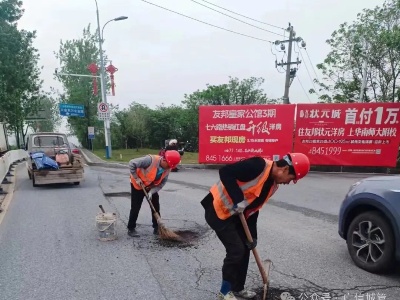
{"points": [[370, 242], [76, 183], [33, 181]]}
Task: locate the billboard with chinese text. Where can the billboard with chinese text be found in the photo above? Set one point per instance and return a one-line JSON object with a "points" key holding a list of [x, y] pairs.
{"points": [[231, 133], [349, 134]]}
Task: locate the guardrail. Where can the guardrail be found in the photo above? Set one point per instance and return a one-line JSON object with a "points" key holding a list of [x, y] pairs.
{"points": [[6, 161]]}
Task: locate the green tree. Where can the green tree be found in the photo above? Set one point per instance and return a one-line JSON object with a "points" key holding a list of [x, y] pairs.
{"points": [[74, 57], [235, 92], [19, 72], [375, 38], [137, 123], [11, 11], [52, 120]]}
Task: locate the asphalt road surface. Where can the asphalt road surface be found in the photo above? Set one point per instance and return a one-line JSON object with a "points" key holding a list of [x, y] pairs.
{"points": [[49, 243]]}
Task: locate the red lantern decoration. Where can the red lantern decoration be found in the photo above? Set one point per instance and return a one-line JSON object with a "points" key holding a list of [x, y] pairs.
{"points": [[93, 68], [111, 69]]}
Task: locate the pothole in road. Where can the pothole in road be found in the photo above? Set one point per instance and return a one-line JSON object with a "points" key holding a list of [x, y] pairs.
{"points": [[191, 237], [118, 194], [188, 239]]}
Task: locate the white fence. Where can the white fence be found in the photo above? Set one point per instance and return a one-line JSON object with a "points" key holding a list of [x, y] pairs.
{"points": [[8, 159]]}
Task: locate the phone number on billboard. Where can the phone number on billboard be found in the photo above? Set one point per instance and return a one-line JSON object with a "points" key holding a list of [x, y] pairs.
{"points": [[325, 151], [226, 158]]}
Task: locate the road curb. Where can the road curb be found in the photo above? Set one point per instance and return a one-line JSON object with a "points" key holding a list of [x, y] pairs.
{"points": [[5, 203]]}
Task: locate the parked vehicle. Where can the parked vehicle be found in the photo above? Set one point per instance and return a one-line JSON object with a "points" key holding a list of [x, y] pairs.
{"points": [[188, 147], [74, 148], [170, 147], [51, 159], [369, 221]]}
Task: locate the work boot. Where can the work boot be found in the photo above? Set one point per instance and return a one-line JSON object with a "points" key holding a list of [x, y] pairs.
{"points": [[246, 294], [133, 233], [229, 296], [155, 231]]}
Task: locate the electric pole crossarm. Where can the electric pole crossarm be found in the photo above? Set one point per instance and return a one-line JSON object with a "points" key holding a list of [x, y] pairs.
{"points": [[77, 75], [287, 64]]}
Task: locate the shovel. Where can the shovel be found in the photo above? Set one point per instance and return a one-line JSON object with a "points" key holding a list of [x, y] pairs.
{"points": [[264, 267]]}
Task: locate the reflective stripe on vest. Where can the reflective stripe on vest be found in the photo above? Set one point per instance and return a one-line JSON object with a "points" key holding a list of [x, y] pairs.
{"points": [[223, 203], [272, 191], [149, 174]]}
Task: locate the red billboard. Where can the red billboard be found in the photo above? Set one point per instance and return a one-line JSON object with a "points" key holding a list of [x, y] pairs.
{"points": [[349, 134], [229, 133]]}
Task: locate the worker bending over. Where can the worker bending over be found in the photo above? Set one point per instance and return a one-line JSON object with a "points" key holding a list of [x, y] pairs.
{"points": [[151, 172], [244, 187]]}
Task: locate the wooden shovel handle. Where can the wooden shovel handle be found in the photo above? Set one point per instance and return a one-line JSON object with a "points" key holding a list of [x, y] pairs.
{"points": [[255, 253]]}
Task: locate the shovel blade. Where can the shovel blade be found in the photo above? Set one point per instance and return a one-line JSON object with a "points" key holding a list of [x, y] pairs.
{"points": [[267, 267]]}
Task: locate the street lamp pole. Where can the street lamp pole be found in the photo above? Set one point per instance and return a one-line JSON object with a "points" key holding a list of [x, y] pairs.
{"points": [[107, 129]]}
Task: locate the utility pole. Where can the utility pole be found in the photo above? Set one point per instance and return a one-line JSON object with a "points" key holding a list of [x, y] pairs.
{"points": [[290, 72], [107, 133]]}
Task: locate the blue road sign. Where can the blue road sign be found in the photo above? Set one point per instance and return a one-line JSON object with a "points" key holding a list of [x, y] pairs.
{"points": [[91, 132], [72, 110]]}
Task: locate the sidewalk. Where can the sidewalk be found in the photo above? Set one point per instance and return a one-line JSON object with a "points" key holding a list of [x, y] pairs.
{"points": [[93, 160], [90, 157]]}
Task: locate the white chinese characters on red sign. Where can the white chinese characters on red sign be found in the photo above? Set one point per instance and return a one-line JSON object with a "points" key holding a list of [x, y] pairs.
{"points": [[231, 133], [348, 131]]}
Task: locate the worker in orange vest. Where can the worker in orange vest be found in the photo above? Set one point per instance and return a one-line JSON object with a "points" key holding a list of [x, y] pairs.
{"points": [[151, 172], [244, 187]]}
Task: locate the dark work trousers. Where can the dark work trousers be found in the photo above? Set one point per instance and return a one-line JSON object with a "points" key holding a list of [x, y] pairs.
{"points": [[236, 261], [137, 197]]}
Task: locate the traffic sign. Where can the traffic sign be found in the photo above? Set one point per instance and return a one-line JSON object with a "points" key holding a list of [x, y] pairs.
{"points": [[72, 110], [91, 133], [103, 112]]}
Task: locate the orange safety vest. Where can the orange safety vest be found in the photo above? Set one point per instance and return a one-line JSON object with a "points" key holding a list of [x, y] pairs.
{"points": [[149, 174], [223, 203]]}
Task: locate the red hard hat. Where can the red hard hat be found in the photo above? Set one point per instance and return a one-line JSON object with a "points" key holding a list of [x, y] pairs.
{"points": [[172, 157], [301, 165]]}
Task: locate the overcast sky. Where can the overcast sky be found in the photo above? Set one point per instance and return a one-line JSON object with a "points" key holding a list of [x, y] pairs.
{"points": [[160, 55]]}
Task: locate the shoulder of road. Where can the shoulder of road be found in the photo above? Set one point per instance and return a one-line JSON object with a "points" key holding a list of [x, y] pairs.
{"points": [[93, 160]]}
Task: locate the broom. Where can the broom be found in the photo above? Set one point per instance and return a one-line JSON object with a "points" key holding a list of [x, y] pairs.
{"points": [[164, 232]]}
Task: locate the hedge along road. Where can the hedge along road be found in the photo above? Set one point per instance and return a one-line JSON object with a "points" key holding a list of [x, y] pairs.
{"points": [[50, 250]]}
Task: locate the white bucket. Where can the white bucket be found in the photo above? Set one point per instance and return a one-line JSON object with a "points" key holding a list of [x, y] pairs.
{"points": [[106, 225]]}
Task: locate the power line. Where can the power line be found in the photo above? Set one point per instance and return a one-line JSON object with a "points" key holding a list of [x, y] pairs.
{"points": [[237, 18], [308, 72], [316, 75], [235, 32], [243, 15], [303, 88]]}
